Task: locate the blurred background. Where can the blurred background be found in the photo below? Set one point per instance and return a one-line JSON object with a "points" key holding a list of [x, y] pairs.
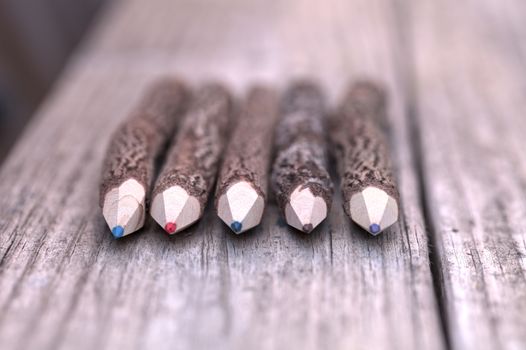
{"points": [[36, 38]]}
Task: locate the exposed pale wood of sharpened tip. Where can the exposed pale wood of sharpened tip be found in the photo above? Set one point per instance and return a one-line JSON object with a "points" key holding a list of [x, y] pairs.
{"points": [[248, 155], [136, 143], [301, 147], [360, 143], [193, 159], [470, 107], [66, 284]]}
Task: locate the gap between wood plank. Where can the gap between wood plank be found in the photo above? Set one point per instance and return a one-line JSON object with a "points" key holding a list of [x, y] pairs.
{"points": [[404, 18], [434, 258]]}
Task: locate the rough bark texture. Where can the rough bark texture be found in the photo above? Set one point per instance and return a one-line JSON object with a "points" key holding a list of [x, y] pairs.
{"points": [[301, 149], [193, 159], [360, 144], [136, 143], [249, 152]]}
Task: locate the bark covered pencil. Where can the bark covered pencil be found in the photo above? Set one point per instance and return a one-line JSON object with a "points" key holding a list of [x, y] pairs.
{"points": [[361, 150], [183, 187], [243, 179], [300, 178], [129, 164]]}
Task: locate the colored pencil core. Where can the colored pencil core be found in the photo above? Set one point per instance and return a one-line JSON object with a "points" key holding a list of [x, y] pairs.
{"points": [[117, 231], [170, 227], [307, 228], [374, 228], [236, 226]]}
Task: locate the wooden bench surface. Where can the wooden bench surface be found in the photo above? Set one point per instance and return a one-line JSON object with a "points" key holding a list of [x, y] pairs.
{"points": [[450, 274]]}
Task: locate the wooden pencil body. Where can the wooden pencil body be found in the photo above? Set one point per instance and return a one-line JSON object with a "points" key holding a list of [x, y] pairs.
{"points": [[249, 152], [193, 159], [301, 149], [139, 139], [130, 160], [360, 146]]}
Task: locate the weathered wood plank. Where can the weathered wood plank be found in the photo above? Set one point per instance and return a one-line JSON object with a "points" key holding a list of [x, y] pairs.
{"points": [[65, 283], [470, 104]]}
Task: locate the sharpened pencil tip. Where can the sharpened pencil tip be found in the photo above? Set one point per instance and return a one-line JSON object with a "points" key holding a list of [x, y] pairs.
{"points": [[374, 229], [305, 211], [242, 204], [117, 231], [373, 209], [174, 209], [170, 227], [123, 208], [307, 228], [236, 226]]}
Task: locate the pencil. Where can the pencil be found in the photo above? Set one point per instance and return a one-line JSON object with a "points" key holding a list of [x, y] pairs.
{"points": [[361, 150], [134, 146], [184, 185], [300, 179], [243, 180]]}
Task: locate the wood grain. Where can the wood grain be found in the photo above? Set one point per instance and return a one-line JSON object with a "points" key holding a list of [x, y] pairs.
{"points": [[470, 102], [65, 284]]}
